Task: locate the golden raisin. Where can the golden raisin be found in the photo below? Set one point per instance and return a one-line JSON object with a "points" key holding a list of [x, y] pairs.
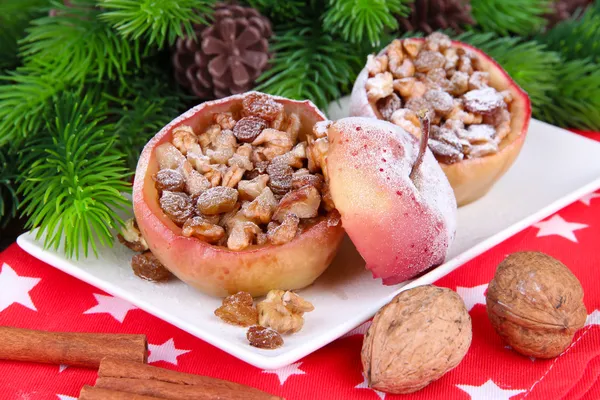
{"points": [[264, 338], [238, 309]]}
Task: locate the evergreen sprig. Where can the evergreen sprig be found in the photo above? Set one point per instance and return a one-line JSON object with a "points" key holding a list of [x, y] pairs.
{"points": [[576, 97], [279, 11], [355, 20], [303, 66], [159, 22], [520, 17], [75, 44], [577, 37], [529, 63], [73, 178], [8, 196], [23, 98]]}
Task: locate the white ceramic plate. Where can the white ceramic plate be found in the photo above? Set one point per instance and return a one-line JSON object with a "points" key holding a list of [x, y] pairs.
{"points": [[554, 169]]}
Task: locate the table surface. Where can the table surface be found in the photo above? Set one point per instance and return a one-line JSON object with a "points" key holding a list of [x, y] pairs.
{"points": [[37, 296]]}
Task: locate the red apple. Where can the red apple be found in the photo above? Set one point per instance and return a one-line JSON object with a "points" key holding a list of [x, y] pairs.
{"points": [[399, 212], [474, 177], [216, 270]]}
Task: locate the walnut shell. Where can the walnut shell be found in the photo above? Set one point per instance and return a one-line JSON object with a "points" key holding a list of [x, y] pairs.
{"points": [[536, 304], [415, 339]]}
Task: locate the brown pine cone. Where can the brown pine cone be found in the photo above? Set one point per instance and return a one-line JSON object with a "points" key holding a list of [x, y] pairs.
{"points": [[232, 52], [564, 9], [431, 15]]}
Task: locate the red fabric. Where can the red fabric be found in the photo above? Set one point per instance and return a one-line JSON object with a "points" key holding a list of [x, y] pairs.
{"points": [[333, 372]]}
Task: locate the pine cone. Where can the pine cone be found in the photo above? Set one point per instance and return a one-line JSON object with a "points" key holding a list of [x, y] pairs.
{"points": [[564, 9], [430, 15], [232, 53]]}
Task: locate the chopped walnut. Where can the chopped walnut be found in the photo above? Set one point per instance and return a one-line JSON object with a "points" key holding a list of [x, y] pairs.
{"points": [[224, 147], [280, 234], [460, 114], [207, 138], [303, 177], [428, 60], [318, 152], [131, 237], [168, 156], [186, 140], [264, 338], [249, 190], [407, 120], [409, 87], [295, 157], [238, 309], [412, 47], [293, 127], [195, 182], [224, 120], [202, 229], [380, 86], [320, 129], [283, 311], [437, 41], [214, 175], [261, 209], [242, 234], [479, 80], [451, 57], [376, 64], [275, 142], [303, 202]]}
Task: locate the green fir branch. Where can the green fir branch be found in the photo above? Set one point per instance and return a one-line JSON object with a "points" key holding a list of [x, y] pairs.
{"points": [[8, 196], [303, 66], [577, 37], [73, 178], [355, 20], [23, 98], [159, 22], [279, 11], [75, 45], [505, 17], [576, 98], [536, 72]]}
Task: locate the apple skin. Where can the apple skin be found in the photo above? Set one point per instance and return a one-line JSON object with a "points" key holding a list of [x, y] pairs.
{"points": [[400, 226], [216, 270], [470, 178]]}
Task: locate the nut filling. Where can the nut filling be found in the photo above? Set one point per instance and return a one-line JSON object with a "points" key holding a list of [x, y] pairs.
{"points": [[248, 179], [469, 118]]}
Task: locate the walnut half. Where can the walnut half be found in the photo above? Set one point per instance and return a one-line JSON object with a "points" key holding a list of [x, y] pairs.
{"points": [[283, 311]]}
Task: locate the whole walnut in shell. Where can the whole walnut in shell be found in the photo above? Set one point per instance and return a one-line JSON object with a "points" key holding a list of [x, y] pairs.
{"points": [[536, 304], [415, 339]]}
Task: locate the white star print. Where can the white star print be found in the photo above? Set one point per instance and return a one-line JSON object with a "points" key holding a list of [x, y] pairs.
{"points": [[587, 199], [62, 367], [165, 352], [558, 226], [65, 397], [284, 373], [365, 385], [593, 318], [114, 306], [489, 391], [359, 330], [15, 288], [472, 296]]}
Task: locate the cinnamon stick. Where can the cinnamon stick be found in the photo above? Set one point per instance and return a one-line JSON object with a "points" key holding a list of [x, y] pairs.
{"points": [[70, 348], [94, 393]]}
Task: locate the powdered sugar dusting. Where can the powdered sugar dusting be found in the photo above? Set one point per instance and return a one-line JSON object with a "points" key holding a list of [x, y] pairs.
{"points": [[399, 226]]}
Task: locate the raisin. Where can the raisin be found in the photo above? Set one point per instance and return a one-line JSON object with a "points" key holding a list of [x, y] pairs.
{"points": [[444, 152], [169, 179], [388, 105], [238, 309], [483, 101], [177, 206], [261, 105], [264, 338], [280, 177], [248, 128], [439, 100], [299, 181], [428, 60], [147, 266], [217, 200]]}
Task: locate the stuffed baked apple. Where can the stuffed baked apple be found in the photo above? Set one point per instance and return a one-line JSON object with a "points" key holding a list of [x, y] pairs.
{"points": [[479, 114], [229, 197]]}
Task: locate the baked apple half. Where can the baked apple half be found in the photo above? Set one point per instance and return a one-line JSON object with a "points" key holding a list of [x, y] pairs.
{"points": [[229, 197], [479, 115]]}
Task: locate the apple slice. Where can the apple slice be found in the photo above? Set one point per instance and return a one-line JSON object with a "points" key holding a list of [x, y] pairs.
{"points": [[399, 212], [471, 178]]}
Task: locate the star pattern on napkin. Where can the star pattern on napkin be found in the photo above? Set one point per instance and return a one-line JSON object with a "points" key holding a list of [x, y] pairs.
{"points": [[62, 367], [472, 295], [489, 391], [285, 372], [114, 306], [593, 318], [15, 288], [587, 199], [558, 226], [65, 397], [365, 385], [165, 352]]}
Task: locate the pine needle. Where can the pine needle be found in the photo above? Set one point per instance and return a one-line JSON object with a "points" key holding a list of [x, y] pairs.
{"points": [[303, 66], [160, 22], [8, 197], [355, 20], [536, 73], [505, 17], [72, 179], [280, 11], [75, 44]]}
